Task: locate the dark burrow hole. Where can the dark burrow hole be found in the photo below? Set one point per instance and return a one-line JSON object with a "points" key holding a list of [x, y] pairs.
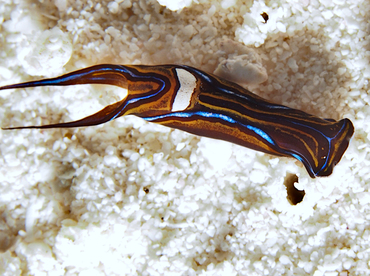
{"points": [[294, 196]]}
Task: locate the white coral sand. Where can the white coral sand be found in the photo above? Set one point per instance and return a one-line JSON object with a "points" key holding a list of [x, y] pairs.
{"points": [[134, 198]]}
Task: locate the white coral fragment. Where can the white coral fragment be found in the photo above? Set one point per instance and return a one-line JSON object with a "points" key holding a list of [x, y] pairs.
{"points": [[175, 5]]}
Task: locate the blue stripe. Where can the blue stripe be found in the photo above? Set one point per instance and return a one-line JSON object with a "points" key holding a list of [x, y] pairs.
{"points": [[329, 139], [228, 119], [308, 167]]}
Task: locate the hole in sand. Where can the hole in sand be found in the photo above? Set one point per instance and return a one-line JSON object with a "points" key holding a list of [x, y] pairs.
{"points": [[294, 196]]}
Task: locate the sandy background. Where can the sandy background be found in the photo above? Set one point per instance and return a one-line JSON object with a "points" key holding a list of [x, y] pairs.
{"points": [[133, 198]]}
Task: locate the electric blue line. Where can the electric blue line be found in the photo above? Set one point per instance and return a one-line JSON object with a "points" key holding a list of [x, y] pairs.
{"points": [[228, 119]]}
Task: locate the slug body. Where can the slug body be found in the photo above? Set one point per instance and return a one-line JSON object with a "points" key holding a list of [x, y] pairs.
{"points": [[186, 98]]}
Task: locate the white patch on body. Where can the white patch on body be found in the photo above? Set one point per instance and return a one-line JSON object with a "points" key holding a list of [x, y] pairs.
{"points": [[187, 85]]}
